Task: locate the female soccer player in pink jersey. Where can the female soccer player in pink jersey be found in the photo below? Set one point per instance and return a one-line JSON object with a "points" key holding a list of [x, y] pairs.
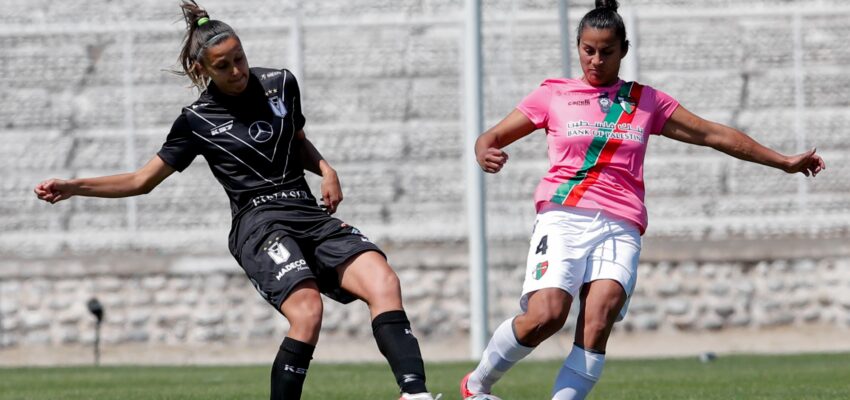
{"points": [[590, 209]]}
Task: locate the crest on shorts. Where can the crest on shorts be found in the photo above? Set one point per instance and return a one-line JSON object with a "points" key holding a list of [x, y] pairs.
{"points": [[278, 252], [540, 270]]}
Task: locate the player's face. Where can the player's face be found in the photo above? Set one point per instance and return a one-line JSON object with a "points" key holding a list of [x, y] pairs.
{"points": [[227, 66], [600, 53]]}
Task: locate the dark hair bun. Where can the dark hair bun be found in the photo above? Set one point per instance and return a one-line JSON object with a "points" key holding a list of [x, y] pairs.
{"points": [[192, 12], [612, 5]]}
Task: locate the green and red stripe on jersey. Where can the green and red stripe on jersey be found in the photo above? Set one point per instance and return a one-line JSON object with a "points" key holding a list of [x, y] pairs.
{"points": [[602, 148]]}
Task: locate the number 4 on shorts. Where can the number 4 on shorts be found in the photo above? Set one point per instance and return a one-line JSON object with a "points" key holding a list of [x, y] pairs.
{"points": [[542, 246]]}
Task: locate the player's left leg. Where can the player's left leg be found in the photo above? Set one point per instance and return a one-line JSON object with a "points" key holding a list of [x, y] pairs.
{"points": [[369, 277], [601, 302], [609, 282]]}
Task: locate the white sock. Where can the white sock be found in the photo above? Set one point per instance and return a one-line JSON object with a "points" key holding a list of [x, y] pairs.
{"points": [[501, 354], [581, 370]]}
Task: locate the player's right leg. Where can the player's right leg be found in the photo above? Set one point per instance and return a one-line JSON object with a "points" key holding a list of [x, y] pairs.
{"points": [[276, 266], [554, 274], [516, 337], [303, 310]]}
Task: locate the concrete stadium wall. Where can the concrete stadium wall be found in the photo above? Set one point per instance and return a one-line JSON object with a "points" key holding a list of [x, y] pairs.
{"points": [[179, 300], [729, 244]]}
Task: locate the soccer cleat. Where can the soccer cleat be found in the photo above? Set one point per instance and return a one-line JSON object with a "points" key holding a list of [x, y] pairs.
{"points": [[464, 391], [419, 396]]}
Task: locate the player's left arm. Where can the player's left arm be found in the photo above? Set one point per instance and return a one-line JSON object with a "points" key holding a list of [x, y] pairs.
{"points": [[315, 163], [687, 127]]}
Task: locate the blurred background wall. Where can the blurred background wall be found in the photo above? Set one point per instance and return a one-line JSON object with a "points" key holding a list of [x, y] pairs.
{"points": [[730, 246]]}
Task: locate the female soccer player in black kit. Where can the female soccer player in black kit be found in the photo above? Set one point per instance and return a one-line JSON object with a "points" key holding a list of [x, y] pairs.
{"points": [[248, 125]]}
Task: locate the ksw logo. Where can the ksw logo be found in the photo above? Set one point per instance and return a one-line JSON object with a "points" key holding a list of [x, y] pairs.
{"points": [[223, 128], [295, 370]]}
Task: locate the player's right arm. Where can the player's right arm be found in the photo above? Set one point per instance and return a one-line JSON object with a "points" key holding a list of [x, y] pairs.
{"points": [[488, 147], [135, 183]]}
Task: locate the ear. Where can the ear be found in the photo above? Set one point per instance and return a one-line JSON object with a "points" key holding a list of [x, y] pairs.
{"points": [[625, 50], [198, 68]]}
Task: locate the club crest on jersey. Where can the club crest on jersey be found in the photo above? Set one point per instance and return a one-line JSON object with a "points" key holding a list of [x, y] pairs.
{"points": [[277, 106], [223, 128], [604, 102], [627, 103], [540, 270]]}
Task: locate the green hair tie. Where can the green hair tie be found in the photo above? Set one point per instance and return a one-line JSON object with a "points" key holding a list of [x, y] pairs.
{"points": [[203, 21]]}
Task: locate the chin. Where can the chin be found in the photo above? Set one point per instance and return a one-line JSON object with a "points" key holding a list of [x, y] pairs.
{"points": [[598, 81], [239, 87]]}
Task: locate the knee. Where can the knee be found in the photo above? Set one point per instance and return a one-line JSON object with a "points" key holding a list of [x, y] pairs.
{"points": [[549, 319], [595, 326], [384, 285], [600, 318], [389, 282], [306, 314]]}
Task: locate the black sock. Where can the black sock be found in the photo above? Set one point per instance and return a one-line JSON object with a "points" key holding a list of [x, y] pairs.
{"points": [[400, 347], [290, 369]]}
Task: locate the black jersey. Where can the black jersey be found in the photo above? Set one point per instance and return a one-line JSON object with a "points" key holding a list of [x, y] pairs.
{"points": [[248, 140]]}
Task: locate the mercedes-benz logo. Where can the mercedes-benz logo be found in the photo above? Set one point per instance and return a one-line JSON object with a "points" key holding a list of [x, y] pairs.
{"points": [[260, 131]]}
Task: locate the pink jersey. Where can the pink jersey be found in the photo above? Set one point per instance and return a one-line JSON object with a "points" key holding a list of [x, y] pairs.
{"points": [[597, 139]]}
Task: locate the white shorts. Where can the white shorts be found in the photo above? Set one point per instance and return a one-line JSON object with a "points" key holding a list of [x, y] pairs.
{"points": [[571, 246]]}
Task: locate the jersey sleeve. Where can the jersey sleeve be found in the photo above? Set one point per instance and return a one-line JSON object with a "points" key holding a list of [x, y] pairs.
{"points": [[178, 150], [663, 109], [535, 106], [292, 90]]}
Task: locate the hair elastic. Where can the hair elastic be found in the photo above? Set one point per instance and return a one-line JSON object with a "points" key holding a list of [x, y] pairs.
{"points": [[203, 20]]}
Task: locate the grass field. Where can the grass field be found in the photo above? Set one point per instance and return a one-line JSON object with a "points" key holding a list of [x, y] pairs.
{"points": [[734, 377]]}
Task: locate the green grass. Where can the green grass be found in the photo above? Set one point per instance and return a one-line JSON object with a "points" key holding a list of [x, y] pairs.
{"points": [[814, 376]]}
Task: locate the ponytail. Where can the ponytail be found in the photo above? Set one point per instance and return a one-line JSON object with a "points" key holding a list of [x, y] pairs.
{"points": [[201, 33]]}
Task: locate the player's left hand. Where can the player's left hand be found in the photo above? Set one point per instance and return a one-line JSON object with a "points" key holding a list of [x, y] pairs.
{"points": [[808, 163], [331, 192]]}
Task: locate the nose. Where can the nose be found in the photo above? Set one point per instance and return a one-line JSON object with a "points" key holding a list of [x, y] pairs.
{"points": [[596, 60]]}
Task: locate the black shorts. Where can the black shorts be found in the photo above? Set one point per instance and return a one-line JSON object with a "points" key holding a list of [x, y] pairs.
{"points": [[280, 246]]}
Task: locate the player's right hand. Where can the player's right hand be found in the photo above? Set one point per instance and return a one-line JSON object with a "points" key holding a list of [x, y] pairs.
{"points": [[492, 160], [53, 190]]}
